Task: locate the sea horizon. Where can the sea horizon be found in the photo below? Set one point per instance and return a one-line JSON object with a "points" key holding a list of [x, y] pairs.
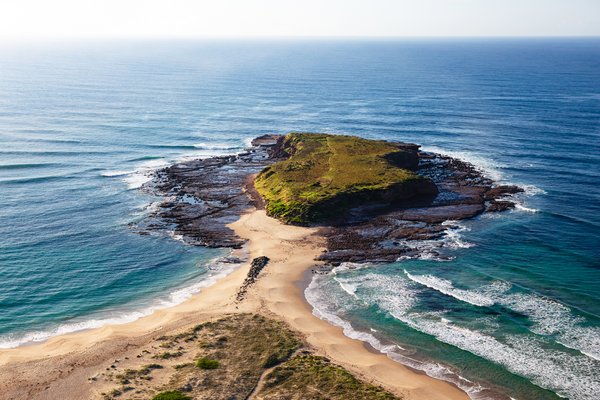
{"points": [[82, 128]]}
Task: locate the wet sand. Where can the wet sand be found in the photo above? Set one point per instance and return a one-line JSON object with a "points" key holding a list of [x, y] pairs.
{"points": [[60, 367]]}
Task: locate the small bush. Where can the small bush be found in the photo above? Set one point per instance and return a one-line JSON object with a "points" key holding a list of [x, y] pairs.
{"points": [[153, 366], [173, 395], [205, 363]]}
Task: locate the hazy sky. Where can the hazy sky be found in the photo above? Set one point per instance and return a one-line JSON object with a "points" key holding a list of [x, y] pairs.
{"points": [[39, 19]]}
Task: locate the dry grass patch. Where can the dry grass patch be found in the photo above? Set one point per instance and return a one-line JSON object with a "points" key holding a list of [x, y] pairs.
{"points": [[315, 378], [225, 359]]}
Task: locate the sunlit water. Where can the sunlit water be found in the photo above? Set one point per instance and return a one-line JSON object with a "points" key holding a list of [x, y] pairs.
{"points": [[516, 312]]}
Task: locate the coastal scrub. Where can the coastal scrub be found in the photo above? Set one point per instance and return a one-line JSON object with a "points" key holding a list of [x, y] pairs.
{"points": [[172, 395], [226, 358], [326, 175], [315, 377]]}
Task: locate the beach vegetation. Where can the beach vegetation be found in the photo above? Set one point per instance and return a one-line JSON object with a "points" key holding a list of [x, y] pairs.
{"points": [[152, 366], [180, 366], [310, 376], [235, 352], [326, 175], [205, 363], [166, 355], [172, 395]]}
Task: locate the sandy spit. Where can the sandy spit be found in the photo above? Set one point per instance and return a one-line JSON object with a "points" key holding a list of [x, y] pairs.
{"points": [[60, 367]]}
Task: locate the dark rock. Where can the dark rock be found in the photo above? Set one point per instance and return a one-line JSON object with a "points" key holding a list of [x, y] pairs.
{"points": [[501, 191], [255, 267], [208, 194], [205, 195], [496, 206]]}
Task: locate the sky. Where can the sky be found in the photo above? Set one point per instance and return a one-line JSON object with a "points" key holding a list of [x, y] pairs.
{"points": [[81, 19]]}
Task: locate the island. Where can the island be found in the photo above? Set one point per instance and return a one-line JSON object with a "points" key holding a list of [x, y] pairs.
{"points": [[286, 206], [326, 175]]}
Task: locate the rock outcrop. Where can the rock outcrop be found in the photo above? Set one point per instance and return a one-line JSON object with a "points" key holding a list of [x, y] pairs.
{"points": [[202, 196]]}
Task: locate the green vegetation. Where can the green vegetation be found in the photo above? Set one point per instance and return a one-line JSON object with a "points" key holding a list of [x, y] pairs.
{"points": [[133, 373], [232, 353], [308, 376], [166, 355], [328, 174], [173, 395], [205, 363], [243, 347]]}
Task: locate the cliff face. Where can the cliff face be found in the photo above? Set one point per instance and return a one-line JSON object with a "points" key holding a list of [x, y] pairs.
{"points": [[325, 175]]}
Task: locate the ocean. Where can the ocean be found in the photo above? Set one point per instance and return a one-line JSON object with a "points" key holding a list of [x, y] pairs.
{"points": [[511, 311]]}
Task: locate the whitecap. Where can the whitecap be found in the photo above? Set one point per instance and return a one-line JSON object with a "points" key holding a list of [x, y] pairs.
{"points": [[136, 178], [325, 310], [135, 181], [553, 318], [204, 146], [568, 374], [526, 209], [117, 173], [445, 286], [486, 165]]}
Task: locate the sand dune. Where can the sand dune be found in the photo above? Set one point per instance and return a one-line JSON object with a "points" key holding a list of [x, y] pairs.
{"points": [[59, 368]]}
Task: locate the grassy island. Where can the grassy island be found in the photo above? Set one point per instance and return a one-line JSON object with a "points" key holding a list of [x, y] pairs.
{"points": [[326, 175]]}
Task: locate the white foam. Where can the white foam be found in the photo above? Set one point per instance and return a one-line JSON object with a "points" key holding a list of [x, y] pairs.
{"points": [[216, 271], [176, 237], [117, 173], [136, 178], [446, 287], [204, 146], [484, 164], [491, 169], [552, 318], [570, 375], [526, 209], [135, 181], [248, 142], [453, 238], [154, 164], [429, 249], [40, 336], [325, 310], [532, 190], [347, 287]]}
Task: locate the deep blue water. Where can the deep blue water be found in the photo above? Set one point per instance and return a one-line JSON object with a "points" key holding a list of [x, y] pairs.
{"points": [[516, 311]]}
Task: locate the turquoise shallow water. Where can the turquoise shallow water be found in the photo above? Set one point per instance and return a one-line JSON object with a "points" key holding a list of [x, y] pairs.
{"points": [[516, 312]]}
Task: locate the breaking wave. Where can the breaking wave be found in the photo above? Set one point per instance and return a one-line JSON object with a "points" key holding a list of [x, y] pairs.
{"points": [[215, 271]]}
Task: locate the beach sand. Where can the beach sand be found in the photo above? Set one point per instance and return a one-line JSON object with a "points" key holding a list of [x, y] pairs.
{"points": [[60, 367]]}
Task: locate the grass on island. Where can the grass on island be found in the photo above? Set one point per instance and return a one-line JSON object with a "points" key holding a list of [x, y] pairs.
{"points": [[328, 174], [225, 359]]}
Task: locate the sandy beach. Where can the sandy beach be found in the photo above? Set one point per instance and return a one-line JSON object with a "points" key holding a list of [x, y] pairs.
{"points": [[60, 367]]}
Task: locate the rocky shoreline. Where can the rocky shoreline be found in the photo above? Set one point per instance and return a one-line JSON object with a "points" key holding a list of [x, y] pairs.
{"points": [[204, 195]]}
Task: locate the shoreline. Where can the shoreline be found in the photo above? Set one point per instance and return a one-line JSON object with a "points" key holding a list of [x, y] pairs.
{"points": [[37, 371], [242, 254]]}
